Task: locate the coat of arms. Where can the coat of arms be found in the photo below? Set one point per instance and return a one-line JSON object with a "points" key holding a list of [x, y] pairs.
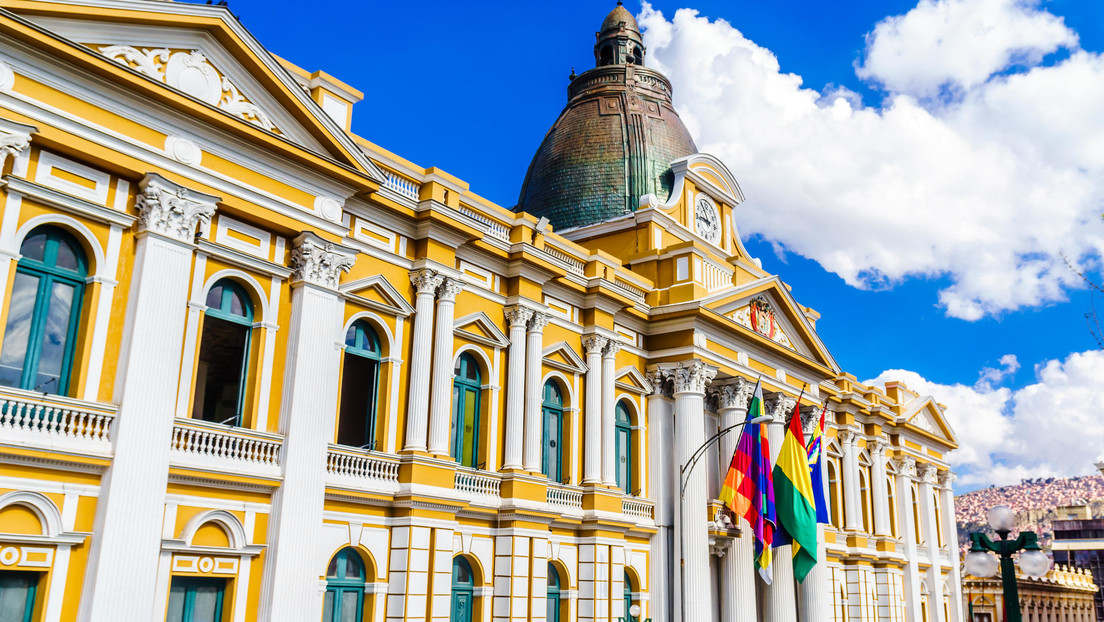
{"points": [[762, 317]]}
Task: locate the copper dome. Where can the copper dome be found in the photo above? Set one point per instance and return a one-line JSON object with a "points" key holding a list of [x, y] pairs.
{"points": [[614, 141]]}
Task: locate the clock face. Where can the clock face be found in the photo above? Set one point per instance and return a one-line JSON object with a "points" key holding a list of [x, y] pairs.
{"points": [[707, 221]]}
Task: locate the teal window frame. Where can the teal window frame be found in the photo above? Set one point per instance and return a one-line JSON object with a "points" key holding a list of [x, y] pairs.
{"points": [[462, 387], [552, 415], [623, 446], [553, 613], [32, 590], [362, 341], [230, 290], [463, 591], [190, 584], [339, 583], [48, 273], [628, 592]]}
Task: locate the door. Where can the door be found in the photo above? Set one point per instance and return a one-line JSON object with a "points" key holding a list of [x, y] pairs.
{"points": [[463, 589]]}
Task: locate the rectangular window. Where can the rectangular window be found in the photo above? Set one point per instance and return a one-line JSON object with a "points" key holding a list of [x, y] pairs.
{"points": [[17, 595], [195, 599]]}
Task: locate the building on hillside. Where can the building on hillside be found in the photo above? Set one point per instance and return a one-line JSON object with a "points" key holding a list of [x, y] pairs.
{"points": [[1079, 542], [255, 367], [1064, 594]]}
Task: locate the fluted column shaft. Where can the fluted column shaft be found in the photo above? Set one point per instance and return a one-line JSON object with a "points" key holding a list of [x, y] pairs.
{"points": [[518, 317], [440, 414], [777, 599], [425, 283], [737, 568], [534, 428], [946, 500], [850, 465], [609, 429], [691, 379], [880, 489], [592, 417], [927, 475], [906, 470]]}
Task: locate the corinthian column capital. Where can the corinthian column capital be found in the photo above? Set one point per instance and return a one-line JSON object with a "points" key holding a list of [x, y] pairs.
{"points": [[693, 377], [877, 446], [318, 262], [947, 479], [449, 289], [11, 144], [613, 346], [594, 343], [171, 210], [780, 406], [539, 320], [906, 465], [518, 315], [926, 472], [735, 393], [426, 281]]}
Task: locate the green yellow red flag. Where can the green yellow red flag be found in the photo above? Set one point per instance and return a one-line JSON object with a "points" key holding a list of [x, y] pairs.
{"points": [[795, 505]]}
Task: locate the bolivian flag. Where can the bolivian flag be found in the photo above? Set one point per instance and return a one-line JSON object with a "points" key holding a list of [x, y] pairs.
{"points": [[793, 496]]}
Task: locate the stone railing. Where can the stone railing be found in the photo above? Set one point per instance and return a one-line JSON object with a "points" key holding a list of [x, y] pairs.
{"points": [[632, 291], [213, 446], [638, 508], [573, 265], [362, 466], [564, 496], [715, 277], [478, 484], [406, 187], [34, 420], [494, 229]]}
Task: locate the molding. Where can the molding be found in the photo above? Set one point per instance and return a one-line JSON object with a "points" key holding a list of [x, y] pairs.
{"points": [[574, 364], [316, 261], [494, 337], [243, 260], [171, 210], [67, 203], [396, 304]]}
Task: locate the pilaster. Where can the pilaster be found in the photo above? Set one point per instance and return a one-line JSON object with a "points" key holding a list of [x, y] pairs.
{"points": [[906, 471], [441, 389], [518, 318], [592, 415], [926, 475], [425, 283], [946, 500], [534, 428], [877, 448], [609, 425]]}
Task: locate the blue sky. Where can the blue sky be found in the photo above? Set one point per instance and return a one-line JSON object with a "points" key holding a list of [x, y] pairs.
{"points": [[472, 88]]}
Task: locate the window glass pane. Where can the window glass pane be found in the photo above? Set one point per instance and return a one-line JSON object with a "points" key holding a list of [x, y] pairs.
{"points": [[349, 610], [16, 594], [214, 297], [327, 606], [237, 305], [352, 566], [552, 445], [66, 257], [469, 431], [623, 459], [351, 335], [176, 602], [34, 247], [55, 337], [462, 574], [208, 603], [457, 417], [18, 330], [331, 571], [356, 417], [220, 370]]}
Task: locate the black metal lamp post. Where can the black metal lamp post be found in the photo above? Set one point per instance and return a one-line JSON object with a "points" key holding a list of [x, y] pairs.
{"points": [[980, 562]]}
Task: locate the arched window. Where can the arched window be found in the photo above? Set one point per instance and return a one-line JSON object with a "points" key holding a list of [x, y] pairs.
{"points": [[463, 591], [552, 413], [605, 56], [344, 600], [553, 612], [637, 56], [835, 510], [466, 388], [891, 490], [44, 313], [865, 495], [356, 421], [623, 449], [628, 591], [223, 355], [917, 527]]}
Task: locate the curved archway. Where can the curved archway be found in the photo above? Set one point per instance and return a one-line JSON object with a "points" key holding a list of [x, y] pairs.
{"points": [[251, 288], [48, 514], [88, 241], [462, 608], [467, 397], [556, 588], [553, 399], [222, 367], [624, 458], [229, 523], [346, 574], [360, 383]]}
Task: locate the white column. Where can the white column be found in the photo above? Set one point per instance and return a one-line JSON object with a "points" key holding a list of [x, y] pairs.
{"points": [[15, 144], [777, 599], [691, 378], [592, 415], [662, 471], [814, 595], [737, 569], [877, 448], [295, 559], [440, 413], [906, 470], [852, 520], [122, 567], [950, 532], [609, 429], [927, 476], [534, 430], [518, 317], [417, 406]]}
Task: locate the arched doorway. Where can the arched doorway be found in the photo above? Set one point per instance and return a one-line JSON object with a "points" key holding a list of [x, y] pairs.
{"points": [[345, 576], [553, 611], [463, 591]]}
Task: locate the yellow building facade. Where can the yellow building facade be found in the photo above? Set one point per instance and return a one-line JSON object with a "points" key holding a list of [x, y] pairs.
{"points": [[255, 367]]}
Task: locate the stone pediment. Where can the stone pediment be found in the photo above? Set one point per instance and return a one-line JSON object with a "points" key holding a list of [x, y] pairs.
{"points": [[633, 380], [924, 414], [562, 357], [479, 328], [378, 293]]}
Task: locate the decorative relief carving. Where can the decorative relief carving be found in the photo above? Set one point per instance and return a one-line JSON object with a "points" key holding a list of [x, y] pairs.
{"points": [[172, 210], [328, 208], [877, 446], [594, 343], [660, 381], [11, 144], [539, 321], [612, 348], [927, 472], [759, 317], [734, 393], [318, 262], [183, 150], [845, 436], [946, 479], [518, 315], [779, 407], [190, 72], [426, 281], [449, 289], [906, 465], [693, 376]]}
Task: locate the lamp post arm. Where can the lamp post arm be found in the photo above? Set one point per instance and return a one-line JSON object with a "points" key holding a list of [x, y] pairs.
{"points": [[684, 473]]}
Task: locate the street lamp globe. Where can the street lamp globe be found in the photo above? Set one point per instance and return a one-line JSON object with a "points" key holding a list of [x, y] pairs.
{"points": [[1001, 518], [981, 564], [634, 610], [1034, 563]]}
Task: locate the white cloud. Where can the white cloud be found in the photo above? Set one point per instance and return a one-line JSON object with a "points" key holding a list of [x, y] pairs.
{"points": [[959, 44], [991, 376], [987, 189], [1049, 428]]}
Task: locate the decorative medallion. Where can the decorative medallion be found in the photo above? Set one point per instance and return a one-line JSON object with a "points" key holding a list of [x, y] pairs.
{"points": [[759, 316]]}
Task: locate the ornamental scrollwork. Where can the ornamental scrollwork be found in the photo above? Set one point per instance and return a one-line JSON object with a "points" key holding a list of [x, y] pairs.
{"points": [[318, 262], [693, 376], [170, 210]]}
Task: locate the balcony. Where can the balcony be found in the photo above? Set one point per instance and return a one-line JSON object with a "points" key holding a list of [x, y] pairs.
{"points": [[63, 425], [217, 448], [479, 487], [641, 510], [568, 499], [361, 469]]}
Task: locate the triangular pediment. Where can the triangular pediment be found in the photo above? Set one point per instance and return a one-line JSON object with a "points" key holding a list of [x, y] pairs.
{"points": [[633, 380], [561, 356], [378, 293], [925, 415], [204, 53], [767, 309], [479, 328]]}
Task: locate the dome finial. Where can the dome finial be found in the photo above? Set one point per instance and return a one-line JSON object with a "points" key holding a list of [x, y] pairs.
{"points": [[619, 40]]}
